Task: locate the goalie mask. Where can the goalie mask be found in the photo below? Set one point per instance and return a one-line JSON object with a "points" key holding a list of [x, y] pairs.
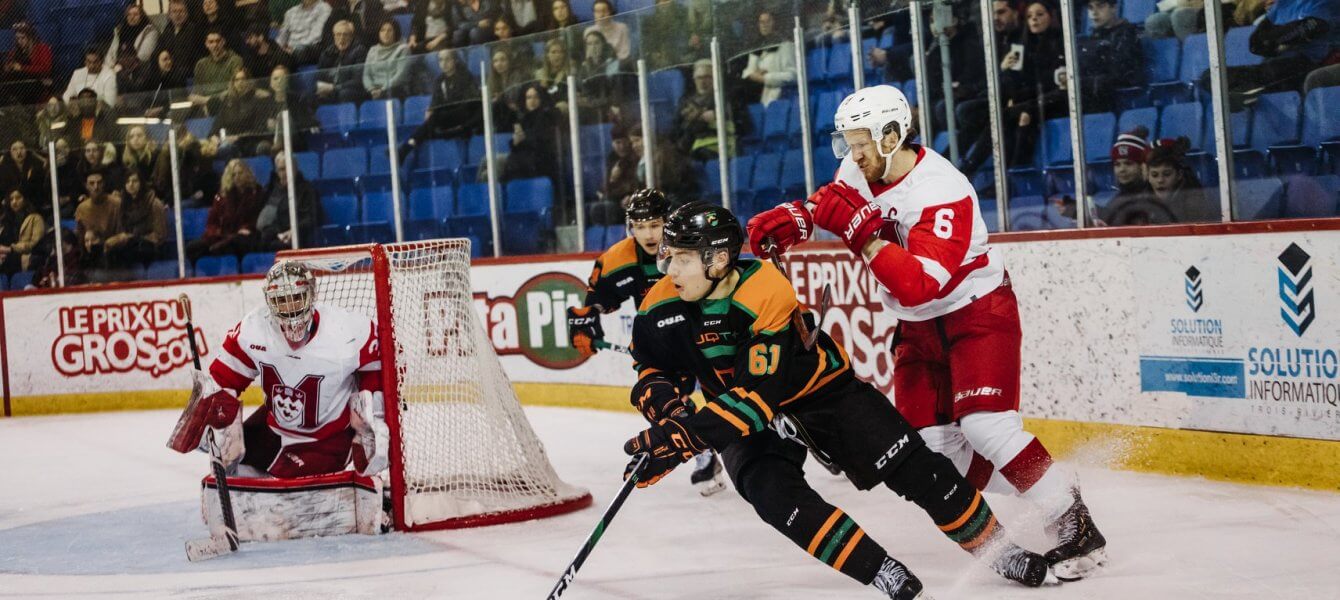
{"points": [[290, 293]]}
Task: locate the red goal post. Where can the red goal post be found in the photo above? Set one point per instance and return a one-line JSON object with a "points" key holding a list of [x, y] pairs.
{"points": [[462, 453]]}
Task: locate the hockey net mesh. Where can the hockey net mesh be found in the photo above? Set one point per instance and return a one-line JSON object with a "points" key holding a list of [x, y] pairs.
{"points": [[467, 448]]}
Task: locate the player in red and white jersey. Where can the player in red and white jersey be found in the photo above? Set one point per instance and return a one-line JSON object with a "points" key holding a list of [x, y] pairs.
{"points": [[913, 219], [320, 370]]}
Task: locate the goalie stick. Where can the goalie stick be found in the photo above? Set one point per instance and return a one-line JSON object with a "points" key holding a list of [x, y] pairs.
{"points": [[570, 573], [210, 547]]}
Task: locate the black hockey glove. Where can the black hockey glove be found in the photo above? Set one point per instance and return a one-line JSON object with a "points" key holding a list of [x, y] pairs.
{"points": [[657, 398], [668, 444], [584, 328]]}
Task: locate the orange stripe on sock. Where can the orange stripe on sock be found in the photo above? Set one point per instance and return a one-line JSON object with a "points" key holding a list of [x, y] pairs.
{"points": [[851, 545], [818, 537], [972, 508], [988, 532]]}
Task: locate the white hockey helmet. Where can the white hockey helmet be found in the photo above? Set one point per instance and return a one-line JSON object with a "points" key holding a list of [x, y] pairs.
{"points": [[290, 293], [880, 109]]}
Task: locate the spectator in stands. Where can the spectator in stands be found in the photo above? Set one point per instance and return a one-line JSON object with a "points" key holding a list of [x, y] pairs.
{"points": [[302, 119], [1006, 21], [1110, 57], [242, 115], [93, 76], [453, 112], [700, 27], [97, 218], [214, 72], [695, 129], [395, 7], [1176, 17], [620, 166], [195, 175], [615, 32], [230, 227], [9, 234], [13, 11], [26, 72], [772, 65], [96, 158], [1176, 186], [967, 71], [1132, 204], [386, 73], [140, 155], [301, 32], [366, 15], [567, 25], [31, 226], [142, 229], [163, 84], [505, 87], [132, 48], [47, 274], [277, 9], [184, 38], [90, 119], [1295, 37], [264, 55], [553, 73], [223, 19], [520, 51], [601, 91], [525, 16], [23, 171], [272, 223], [51, 121], [430, 29], [1327, 76], [536, 139], [664, 42], [474, 22], [340, 71]]}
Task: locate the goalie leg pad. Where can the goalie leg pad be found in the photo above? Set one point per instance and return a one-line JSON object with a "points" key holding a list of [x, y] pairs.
{"points": [[282, 509]]}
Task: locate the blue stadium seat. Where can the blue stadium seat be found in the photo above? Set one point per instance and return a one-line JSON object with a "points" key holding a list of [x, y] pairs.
{"points": [[1250, 164], [594, 238], [1236, 51], [193, 222], [472, 217], [1320, 123], [594, 139], [309, 164], [767, 173], [377, 206], [257, 262], [20, 280], [825, 165], [439, 154], [334, 235], [416, 107], [839, 63], [741, 173], [372, 115], [1147, 117], [430, 203], [1135, 11], [711, 178], [1163, 56], [1293, 160], [1186, 119], [1309, 197], [1195, 58], [1028, 182], [214, 266], [667, 84], [824, 110], [816, 65], [344, 163], [261, 166], [1098, 138], [200, 127], [340, 210], [337, 118], [1275, 120], [792, 181], [990, 210], [158, 270], [424, 229], [1259, 198], [1026, 213], [371, 232], [528, 205]]}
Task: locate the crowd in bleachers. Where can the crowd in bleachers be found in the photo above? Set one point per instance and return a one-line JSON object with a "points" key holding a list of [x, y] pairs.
{"points": [[91, 77]]}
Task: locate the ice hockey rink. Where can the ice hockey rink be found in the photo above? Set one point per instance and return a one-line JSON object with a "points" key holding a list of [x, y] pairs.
{"points": [[96, 506]]}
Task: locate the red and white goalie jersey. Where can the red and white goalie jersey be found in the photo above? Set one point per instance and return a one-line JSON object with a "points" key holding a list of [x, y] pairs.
{"points": [[307, 389], [932, 213]]}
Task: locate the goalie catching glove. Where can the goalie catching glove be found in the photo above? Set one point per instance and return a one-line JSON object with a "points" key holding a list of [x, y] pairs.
{"points": [[668, 444], [584, 328], [209, 406]]}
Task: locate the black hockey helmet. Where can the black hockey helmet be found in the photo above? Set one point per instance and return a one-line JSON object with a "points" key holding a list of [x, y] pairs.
{"points": [[647, 204], [702, 226]]}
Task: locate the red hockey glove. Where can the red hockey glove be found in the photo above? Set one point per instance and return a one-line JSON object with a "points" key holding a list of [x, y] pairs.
{"points": [[842, 210], [668, 444], [584, 328], [788, 224], [658, 399]]}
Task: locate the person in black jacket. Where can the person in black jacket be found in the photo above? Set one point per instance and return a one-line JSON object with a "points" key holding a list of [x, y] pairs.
{"points": [[1295, 37], [23, 170], [1110, 57], [273, 224], [455, 111], [340, 70]]}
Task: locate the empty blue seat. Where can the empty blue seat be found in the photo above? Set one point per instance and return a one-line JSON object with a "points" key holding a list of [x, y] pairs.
{"points": [[379, 160], [741, 171], [215, 266], [990, 210], [528, 195], [309, 164], [439, 154], [816, 65], [1186, 119], [1249, 164], [1259, 198], [711, 177], [159, 270], [340, 210], [1135, 11], [1162, 59], [825, 165], [1148, 117], [334, 235], [1320, 123], [1309, 197], [1236, 52], [1026, 183], [825, 109], [416, 107], [1275, 120], [767, 172], [594, 139], [594, 238], [344, 163], [372, 114], [668, 84], [839, 63], [430, 203], [193, 222], [200, 127], [261, 167], [1195, 58], [1026, 213], [20, 280], [472, 217], [337, 118], [792, 181], [373, 232], [257, 262], [424, 229], [377, 206]]}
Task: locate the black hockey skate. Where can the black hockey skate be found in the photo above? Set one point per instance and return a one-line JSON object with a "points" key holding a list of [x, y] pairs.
{"points": [[1020, 565], [1081, 549], [894, 580], [707, 474]]}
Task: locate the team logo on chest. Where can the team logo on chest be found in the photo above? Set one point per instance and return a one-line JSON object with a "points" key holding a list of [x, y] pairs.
{"points": [[292, 406]]}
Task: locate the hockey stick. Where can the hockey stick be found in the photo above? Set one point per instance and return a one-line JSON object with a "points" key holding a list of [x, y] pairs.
{"points": [[807, 335], [604, 345], [210, 547], [571, 572]]}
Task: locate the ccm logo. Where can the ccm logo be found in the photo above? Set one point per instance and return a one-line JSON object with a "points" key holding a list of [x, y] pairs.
{"points": [[670, 320], [258, 347], [981, 391], [623, 282], [892, 452]]}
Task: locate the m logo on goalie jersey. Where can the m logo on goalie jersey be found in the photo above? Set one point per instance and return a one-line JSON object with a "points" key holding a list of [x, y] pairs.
{"points": [[293, 406]]}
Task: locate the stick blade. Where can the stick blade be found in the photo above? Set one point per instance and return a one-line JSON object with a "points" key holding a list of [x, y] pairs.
{"points": [[207, 548]]}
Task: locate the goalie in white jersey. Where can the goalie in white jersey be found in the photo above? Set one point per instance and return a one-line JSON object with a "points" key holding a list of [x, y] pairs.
{"points": [[320, 370], [913, 219]]}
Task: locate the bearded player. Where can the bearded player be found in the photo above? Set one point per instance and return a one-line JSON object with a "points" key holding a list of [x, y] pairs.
{"points": [[736, 326], [912, 218], [627, 270]]}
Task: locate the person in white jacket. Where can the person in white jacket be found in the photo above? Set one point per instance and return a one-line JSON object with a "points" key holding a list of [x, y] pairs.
{"points": [[773, 64]]}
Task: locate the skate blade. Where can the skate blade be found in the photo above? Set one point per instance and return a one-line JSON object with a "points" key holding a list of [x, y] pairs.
{"points": [[1075, 569], [711, 486]]}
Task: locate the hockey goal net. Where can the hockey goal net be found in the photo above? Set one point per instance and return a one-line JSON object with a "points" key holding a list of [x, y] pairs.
{"points": [[462, 452]]}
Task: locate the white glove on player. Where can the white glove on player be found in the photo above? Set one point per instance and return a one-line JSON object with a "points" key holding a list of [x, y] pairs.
{"points": [[373, 435]]}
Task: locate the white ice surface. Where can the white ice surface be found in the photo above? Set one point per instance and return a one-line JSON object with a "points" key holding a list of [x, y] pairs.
{"points": [[95, 505]]}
